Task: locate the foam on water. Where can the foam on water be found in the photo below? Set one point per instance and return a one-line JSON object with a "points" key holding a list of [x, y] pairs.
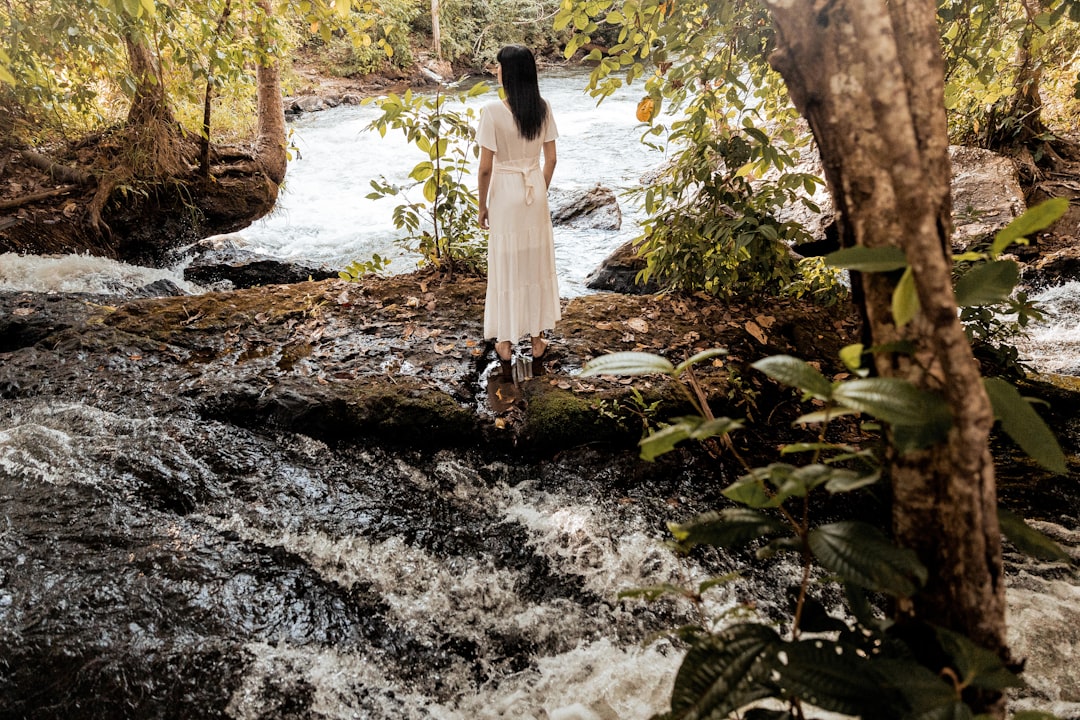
{"points": [[81, 274], [594, 681], [66, 443], [1054, 346]]}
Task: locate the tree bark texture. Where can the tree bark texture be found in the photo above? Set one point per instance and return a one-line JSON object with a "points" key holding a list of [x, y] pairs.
{"points": [[436, 29], [270, 152], [869, 78]]}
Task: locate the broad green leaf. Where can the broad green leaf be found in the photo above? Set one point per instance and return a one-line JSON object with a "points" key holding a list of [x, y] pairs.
{"points": [[1035, 219], [905, 299], [834, 677], [928, 694], [797, 373], [698, 357], [846, 481], [814, 447], [6, 76], [893, 400], [976, 665], [750, 491], [851, 356], [628, 363], [431, 189], [664, 440], [1027, 539], [821, 416], [723, 672], [987, 284], [729, 528], [816, 619], [859, 553], [864, 259], [714, 428], [1020, 421], [422, 172]]}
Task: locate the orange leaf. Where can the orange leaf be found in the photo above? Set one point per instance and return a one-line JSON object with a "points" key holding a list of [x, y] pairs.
{"points": [[645, 109]]}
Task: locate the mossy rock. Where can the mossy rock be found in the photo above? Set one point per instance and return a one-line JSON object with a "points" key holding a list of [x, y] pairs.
{"points": [[412, 413]]}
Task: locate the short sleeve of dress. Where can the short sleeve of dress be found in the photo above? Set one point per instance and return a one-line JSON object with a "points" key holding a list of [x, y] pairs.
{"points": [[550, 131], [485, 131]]}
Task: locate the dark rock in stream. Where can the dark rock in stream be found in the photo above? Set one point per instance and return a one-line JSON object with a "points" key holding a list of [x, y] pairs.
{"points": [[618, 273], [220, 260], [296, 501]]}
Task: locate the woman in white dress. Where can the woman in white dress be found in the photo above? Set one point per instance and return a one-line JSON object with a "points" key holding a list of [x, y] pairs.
{"points": [[522, 290]]}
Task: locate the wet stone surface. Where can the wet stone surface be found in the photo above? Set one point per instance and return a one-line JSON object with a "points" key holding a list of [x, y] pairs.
{"points": [[302, 502]]}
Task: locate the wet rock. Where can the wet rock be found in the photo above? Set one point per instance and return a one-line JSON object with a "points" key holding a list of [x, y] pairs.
{"points": [[1054, 268], [221, 260], [618, 273], [986, 194], [160, 288], [594, 208]]}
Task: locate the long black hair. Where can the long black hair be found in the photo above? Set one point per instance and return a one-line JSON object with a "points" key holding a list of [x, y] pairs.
{"points": [[522, 91]]}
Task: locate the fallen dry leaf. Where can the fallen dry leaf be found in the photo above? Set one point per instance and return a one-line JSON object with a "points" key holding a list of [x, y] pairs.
{"points": [[442, 349], [22, 312], [755, 330], [638, 325], [765, 321], [603, 326]]}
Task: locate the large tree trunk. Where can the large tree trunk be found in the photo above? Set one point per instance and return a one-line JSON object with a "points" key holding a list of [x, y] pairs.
{"points": [[868, 76], [270, 151]]}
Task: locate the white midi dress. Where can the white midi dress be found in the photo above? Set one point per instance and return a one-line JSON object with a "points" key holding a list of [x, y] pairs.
{"points": [[522, 290]]}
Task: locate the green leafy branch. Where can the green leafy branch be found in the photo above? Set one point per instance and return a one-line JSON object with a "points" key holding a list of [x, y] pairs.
{"points": [[442, 226], [854, 667]]}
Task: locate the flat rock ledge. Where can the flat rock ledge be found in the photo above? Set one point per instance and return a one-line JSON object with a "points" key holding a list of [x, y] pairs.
{"points": [[398, 359]]}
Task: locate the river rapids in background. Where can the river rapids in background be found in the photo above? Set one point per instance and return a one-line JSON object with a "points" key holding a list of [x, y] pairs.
{"points": [[170, 565]]}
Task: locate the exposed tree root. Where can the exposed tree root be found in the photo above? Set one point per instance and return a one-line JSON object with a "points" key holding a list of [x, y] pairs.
{"points": [[35, 197], [63, 173]]}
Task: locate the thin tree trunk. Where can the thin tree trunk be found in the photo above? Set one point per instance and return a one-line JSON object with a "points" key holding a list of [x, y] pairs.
{"points": [[270, 151], [869, 78], [436, 31]]}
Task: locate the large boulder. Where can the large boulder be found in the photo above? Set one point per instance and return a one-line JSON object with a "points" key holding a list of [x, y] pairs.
{"points": [[618, 273], [986, 194], [594, 208], [221, 260]]}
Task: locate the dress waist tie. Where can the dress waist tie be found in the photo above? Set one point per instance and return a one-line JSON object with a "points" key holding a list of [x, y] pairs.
{"points": [[526, 173]]}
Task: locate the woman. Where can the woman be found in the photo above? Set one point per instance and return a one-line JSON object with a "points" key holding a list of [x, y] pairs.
{"points": [[522, 290]]}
